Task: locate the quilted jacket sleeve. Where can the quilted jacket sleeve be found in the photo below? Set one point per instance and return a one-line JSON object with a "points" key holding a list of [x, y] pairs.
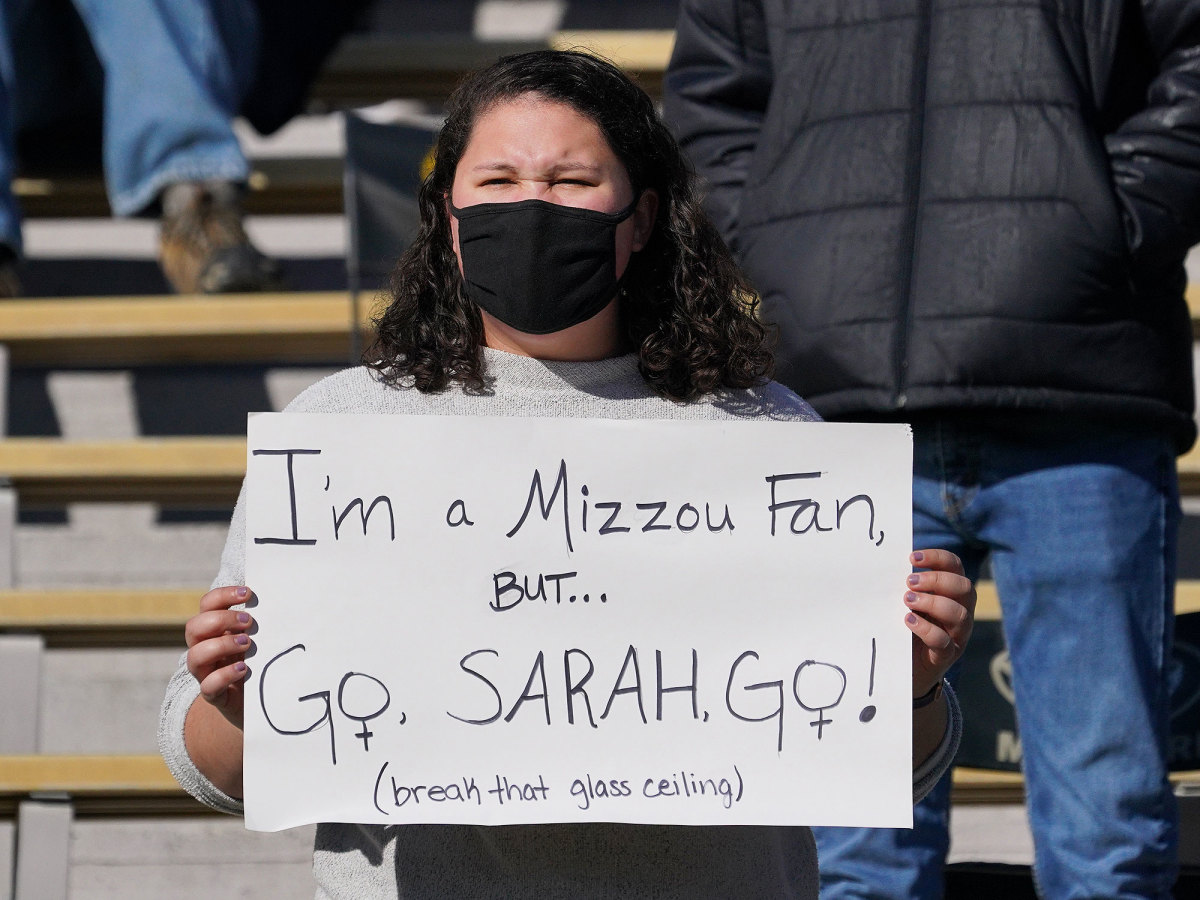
{"points": [[1156, 153], [716, 92]]}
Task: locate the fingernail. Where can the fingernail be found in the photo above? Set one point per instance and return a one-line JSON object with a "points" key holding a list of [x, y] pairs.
{"points": [[242, 639], [243, 617], [914, 579], [918, 556], [910, 598], [242, 593], [239, 666], [911, 619]]}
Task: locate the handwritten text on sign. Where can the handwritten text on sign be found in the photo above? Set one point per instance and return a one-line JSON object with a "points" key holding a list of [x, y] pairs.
{"points": [[508, 620]]}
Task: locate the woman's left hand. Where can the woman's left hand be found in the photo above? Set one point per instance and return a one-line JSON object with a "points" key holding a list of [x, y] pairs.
{"points": [[941, 602]]}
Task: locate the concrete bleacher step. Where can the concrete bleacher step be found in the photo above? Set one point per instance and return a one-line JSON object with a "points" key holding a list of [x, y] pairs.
{"points": [[94, 783], [106, 851], [185, 858], [108, 617], [200, 471], [283, 186], [106, 331]]}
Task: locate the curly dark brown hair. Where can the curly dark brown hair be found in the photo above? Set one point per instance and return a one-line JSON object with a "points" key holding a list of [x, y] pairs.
{"points": [[685, 306]]}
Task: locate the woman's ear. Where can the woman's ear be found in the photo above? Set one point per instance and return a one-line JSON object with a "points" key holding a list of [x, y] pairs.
{"points": [[644, 216]]}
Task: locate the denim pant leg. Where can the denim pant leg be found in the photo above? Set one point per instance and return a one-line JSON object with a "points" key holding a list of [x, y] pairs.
{"points": [[175, 72], [888, 863], [10, 212], [901, 863], [1084, 559]]}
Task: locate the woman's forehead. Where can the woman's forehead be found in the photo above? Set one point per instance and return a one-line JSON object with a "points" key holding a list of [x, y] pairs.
{"points": [[535, 130]]}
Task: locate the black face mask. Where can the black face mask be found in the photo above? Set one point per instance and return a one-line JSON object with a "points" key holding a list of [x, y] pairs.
{"points": [[539, 267]]}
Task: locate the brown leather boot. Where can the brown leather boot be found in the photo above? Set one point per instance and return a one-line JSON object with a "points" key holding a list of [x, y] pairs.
{"points": [[204, 248]]}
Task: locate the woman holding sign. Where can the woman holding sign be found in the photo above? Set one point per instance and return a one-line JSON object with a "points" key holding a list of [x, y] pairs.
{"points": [[563, 268]]}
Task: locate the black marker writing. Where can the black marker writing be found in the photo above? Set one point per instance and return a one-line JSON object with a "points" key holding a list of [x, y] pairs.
{"points": [[507, 791], [295, 539], [759, 686], [462, 664], [538, 673], [689, 687], [651, 515], [368, 696], [868, 712], [545, 506], [631, 662], [686, 785], [362, 686], [364, 513], [824, 687], [461, 790], [587, 789], [578, 686], [457, 514], [326, 715], [807, 505], [816, 687], [509, 593], [578, 680]]}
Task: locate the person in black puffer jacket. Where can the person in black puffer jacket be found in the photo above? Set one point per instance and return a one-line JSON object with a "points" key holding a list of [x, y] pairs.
{"points": [[973, 217]]}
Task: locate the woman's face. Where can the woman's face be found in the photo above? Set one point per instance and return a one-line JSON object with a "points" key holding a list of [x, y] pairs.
{"points": [[530, 148]]}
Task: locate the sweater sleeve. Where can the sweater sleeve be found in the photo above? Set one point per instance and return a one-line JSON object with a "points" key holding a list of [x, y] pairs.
{"points": [[1155, 154], [183, 690], [716, 90], [926, 775]]}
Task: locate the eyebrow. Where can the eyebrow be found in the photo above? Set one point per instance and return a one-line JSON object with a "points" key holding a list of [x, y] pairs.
{"points": [[557, 168]]}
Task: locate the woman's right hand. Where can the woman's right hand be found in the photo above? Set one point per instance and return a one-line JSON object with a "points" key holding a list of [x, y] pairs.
{"points": [[218, 639]]}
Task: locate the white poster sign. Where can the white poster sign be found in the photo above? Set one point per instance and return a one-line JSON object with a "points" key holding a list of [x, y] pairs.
{"points": [[515, 620]]}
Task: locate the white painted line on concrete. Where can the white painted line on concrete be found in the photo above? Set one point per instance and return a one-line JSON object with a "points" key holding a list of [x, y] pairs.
{"points": [[288, 236], [94, 406], [518, 20], [302, 136], [990, 833]]}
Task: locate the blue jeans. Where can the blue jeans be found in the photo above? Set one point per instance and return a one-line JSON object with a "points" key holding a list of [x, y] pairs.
{"points": [[1081, 527], [175, 73]]}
